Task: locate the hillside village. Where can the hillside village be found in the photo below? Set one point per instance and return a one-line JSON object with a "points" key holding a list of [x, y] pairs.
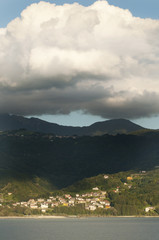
{"points": [[91, 201]]}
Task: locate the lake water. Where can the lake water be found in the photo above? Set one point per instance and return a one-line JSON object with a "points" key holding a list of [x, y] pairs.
{"points": [[80, 229]]}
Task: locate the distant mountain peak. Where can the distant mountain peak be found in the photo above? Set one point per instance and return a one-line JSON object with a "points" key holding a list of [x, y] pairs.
{"points": [[114, 126]]}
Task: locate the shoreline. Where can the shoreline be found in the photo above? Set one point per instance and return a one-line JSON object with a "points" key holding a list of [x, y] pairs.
{"points": [[70, 216], [33, 217]]}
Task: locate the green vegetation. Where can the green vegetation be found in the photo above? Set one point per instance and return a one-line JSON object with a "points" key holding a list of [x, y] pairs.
{"points": [[25, 189], [127, 197], [35, 165], [129, 193], [63, 161]]}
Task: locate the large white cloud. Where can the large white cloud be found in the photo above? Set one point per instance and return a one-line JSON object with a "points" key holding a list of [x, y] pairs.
{"points": [[100, 59]]}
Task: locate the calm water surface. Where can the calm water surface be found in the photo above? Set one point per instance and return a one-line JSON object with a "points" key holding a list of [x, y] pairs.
{"points": [[80, 229]]}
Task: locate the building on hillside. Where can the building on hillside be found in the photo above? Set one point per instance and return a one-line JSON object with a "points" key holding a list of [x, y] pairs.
{"points": [[68, 196], [147, 209], [95, 189], [55, 204], [129, 178], [71, 202], [65, 204], [44, 206], [33, 206], [100, 206], [106, 176]]}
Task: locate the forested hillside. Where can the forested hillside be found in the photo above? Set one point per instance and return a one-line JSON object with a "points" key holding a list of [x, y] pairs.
{"points": [[62, 161]]}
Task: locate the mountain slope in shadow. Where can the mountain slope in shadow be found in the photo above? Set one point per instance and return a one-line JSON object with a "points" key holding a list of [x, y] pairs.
{"points": [[13, 122]]}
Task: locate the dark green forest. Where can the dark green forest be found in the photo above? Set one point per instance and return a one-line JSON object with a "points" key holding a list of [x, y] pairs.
{"points": [[34, 165], [63, 161]]}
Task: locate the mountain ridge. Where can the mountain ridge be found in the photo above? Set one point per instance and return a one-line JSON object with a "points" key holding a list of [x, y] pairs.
{"points": [[114, 126]]}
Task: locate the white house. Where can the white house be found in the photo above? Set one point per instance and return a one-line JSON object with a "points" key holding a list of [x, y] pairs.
{"points": [[92, 208], [33, 206], [44, 206], [106, 176], [147, 209]]}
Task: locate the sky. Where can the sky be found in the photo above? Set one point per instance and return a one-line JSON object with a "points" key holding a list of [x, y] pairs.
{"points": [[78, 63]]}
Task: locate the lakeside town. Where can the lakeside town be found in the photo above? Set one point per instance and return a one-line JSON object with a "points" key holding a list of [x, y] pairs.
{"points": [[93, 200]]}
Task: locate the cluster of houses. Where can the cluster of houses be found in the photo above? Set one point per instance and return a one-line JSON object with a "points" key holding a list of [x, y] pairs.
{"points": [[92, 201]]}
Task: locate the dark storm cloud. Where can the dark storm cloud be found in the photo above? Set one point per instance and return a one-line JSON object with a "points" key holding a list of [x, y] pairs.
{"points": [[99, 59]]}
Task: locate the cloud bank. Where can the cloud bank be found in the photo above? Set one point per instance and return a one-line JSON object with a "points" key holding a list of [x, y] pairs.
{"points": [[99, 59]]}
